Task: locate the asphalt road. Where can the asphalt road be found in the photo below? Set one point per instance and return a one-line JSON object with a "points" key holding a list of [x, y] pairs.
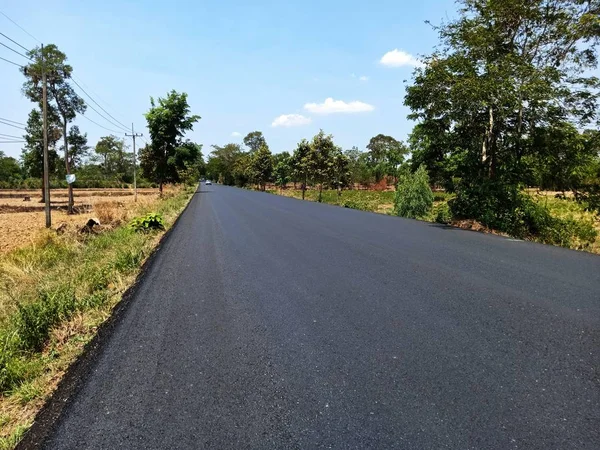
{"points": [[268, 322]]}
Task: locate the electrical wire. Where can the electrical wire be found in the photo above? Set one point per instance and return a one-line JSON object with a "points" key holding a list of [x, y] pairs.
{"points": [[23, 29], [13, 121], [12, 62], [75, 79], [2, 135], [11, 125], [12, 142], [118, 124], [14, 42], [13, 50], [101, 126]]}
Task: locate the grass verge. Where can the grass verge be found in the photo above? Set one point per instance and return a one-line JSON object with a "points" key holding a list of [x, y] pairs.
{"points": [[53, 297]]}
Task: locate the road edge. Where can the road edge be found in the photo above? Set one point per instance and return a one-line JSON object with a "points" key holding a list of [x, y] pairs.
{"points": [[47, 417]]}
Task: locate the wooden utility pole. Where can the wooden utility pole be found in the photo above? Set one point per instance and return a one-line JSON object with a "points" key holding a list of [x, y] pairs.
{"points": [[45, 126], [134, 135]]}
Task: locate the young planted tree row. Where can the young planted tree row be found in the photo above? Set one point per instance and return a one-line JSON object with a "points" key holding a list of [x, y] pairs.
{"points": [[318, 162]]}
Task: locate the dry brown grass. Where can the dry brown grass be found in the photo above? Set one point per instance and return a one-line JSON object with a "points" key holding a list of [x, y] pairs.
{"points": [[24, 222]]}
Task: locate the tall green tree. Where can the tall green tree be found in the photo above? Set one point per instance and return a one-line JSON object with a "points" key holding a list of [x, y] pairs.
{"points": [[320, 160], [340, 171], [254, 141], [300, 164], [282, 170], [223, 164], [10, 170], [261, 166], [79, 150], [60, 95], [503, 70], [189, 162], [32, 154], [168, 120], [111, 152], [385, 155], [358, 166]]}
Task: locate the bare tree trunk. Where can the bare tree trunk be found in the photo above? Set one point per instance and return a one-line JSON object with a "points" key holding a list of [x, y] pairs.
{"points": [[486, 148], [68, 166], [320, 192]]}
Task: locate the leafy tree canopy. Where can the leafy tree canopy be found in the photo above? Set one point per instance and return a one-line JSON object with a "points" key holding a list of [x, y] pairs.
{"points": [[168, 120]]}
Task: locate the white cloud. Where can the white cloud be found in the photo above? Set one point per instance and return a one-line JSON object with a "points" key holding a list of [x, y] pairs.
{"points": [[236, 134], [363, 78], [399, 58], [291, 120], [330, 106]]}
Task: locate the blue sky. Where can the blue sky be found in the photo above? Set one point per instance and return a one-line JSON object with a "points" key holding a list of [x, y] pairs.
{"points": [[243, 64]]}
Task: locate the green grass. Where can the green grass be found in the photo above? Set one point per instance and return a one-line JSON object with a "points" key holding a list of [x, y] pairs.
{"points": [[53, 295], [376, 201], [10, 441]]}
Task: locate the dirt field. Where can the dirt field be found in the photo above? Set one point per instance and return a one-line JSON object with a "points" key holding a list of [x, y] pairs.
{"points": [[23, 222]]}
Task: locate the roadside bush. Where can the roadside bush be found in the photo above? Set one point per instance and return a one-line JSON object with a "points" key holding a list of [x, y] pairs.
{"points": [[414, 198], [151, 221], [442, 213], [536, 222], [505, 208], [440, 196], [35, 320], [359, 204]]}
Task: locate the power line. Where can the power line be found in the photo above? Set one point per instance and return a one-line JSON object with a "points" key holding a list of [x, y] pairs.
{"points": [[14, 42], [13, 121], [12, 62], [101, 126], [13, 50], [23, 29], [118, 124], [95, 94], [11, 125], [12, 142], [10, 136], [96, 111]]}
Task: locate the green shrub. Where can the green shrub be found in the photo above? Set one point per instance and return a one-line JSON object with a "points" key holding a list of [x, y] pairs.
{"points": [[362, 205], [442, 213], [505, 208], [440, 196], [35, 320], [151, 221], [414, 198]]}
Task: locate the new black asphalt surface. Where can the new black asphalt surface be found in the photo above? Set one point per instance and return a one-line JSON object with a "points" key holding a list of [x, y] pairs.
{"points": [[268, 322]]}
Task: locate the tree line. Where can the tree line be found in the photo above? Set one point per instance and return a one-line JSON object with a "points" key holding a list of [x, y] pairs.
{"points": [[508, 100], [318, 162]]}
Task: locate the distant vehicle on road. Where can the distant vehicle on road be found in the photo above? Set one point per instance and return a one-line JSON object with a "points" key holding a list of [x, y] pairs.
{"points": [[208, 183]]}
